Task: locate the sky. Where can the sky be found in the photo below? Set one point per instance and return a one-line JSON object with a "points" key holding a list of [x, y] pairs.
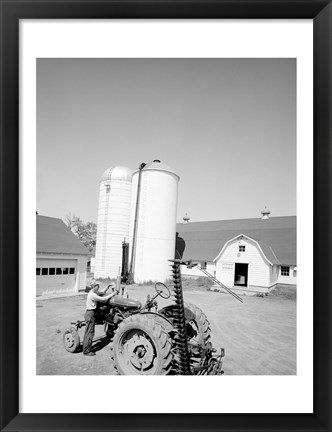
{"points": [[227, 127]]}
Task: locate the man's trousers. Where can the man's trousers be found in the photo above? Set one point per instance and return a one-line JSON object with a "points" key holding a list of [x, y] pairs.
{"points": [[89, 330]]}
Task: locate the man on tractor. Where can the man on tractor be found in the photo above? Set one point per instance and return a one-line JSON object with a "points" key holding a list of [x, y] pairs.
{"points": [[95, 295]]}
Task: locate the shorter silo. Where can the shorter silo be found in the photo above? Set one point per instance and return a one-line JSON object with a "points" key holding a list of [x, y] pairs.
{"points": [[113, 220], [153, 221]]}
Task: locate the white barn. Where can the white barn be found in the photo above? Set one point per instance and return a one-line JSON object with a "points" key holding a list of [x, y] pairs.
{"points": [[249, 255], [61, 262]]}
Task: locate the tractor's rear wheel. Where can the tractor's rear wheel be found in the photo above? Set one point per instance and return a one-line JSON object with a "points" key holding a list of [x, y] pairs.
{"points": [[141, 347], [200, 325]]}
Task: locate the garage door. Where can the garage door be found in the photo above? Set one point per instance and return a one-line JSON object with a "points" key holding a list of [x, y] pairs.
{"points": [[55, 275]]}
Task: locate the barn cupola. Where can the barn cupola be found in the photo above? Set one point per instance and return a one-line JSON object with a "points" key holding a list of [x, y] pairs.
{"points": [[265, 213], [186, 219]]}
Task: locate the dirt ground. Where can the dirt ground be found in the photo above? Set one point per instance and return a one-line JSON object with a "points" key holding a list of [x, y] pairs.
{"points": [[259, 335]]}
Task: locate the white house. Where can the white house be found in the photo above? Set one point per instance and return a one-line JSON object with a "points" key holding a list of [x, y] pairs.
{"points": [[61, 262], [251, 255]]}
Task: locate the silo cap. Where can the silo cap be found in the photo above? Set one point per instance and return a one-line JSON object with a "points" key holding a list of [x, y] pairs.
{"points": [[119, 173], [157, 165]]}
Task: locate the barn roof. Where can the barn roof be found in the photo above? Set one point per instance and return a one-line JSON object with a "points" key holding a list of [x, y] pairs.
{"points": [[277, 236], [53, 236]]}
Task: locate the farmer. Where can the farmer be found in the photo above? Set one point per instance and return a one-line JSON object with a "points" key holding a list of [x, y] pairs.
{"points": [[93, 297]]}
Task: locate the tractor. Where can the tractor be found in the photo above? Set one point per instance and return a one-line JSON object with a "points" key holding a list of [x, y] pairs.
{"points": [[174, 340]]}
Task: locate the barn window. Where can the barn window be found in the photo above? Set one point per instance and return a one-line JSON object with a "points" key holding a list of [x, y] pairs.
{"points": [[71, 270], [51, 271], [38, 271], [44, 271], [284, 271], [242, 248]]}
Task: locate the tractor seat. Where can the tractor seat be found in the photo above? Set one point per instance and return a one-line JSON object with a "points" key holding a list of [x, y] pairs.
{"points": [[125, 302]]}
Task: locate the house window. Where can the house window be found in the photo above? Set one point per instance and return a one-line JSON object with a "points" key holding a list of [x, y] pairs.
{"points": [[65, 270], [284, 271], [71, 270], [203, 265], [242, 248], [38, 271], [51, 271], [59, 271], [44, 271]]}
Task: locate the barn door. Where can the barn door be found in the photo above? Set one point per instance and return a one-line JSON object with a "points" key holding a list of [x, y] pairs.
{"points": [[241, 274]]}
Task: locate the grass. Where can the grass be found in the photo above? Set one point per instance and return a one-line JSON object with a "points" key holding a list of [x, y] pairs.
{"points": [[201, 283], [204, 284], [188, 283], [288, 292], [147, 283]]}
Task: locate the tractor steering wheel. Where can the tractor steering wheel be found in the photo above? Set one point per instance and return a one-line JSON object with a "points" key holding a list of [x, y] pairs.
{"points": [[162, 290]]}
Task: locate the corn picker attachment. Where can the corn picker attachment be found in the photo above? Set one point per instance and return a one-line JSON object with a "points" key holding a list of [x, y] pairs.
{"points": [[174, 340]]}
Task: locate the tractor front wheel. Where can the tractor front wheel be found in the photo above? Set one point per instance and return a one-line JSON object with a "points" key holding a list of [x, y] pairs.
{"points": [[141, 347], [71, 340]]}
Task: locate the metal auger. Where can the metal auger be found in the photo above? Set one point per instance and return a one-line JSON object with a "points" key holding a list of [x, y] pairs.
{"points": [[179, 319]]}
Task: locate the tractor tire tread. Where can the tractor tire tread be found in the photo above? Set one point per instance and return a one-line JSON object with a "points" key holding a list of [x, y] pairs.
{"points": [[156, 331], [202, 322]]}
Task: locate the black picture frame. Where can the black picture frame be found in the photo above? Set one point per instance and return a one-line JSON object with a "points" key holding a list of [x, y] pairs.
{"points": [[11, 12]]}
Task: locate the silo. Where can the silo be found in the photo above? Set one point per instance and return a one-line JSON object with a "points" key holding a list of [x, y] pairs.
{"points": [[113, 220], [153, 221]]}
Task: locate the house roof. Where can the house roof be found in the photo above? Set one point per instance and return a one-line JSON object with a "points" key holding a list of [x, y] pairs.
{"points": [[277, 237], [53, 236]]}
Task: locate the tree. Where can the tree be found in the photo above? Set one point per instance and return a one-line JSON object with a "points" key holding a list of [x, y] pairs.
{"points": [[85, 231]]}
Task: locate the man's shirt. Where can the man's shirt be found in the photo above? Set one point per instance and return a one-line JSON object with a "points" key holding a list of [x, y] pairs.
{"points": [[91, 300]]}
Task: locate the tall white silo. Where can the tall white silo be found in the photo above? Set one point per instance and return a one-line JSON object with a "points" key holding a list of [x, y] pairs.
{"points": [[113, 220], [153, 214]]}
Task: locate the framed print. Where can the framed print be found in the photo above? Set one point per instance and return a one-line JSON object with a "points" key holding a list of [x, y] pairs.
{"points": [[198, 132]]}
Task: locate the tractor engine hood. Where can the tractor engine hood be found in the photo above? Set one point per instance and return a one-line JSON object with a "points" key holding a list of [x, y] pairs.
{"points": [[125, 302]]}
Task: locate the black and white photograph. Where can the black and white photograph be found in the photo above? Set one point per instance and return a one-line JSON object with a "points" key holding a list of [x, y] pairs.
{"points": [[165, 176], [166, 216]]}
